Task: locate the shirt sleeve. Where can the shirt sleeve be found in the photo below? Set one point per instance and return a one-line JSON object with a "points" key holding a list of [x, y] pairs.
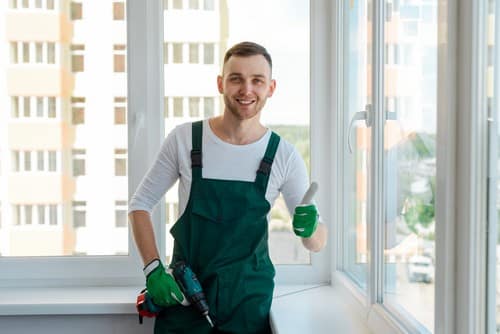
{"points": [[296, 181], [161, 176]]}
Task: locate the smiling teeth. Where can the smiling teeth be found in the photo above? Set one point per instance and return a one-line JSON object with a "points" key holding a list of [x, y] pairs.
{"points": [[245, 102]]}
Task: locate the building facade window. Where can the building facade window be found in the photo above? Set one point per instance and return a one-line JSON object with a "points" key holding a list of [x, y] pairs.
{"points": [[120, 110], [34, 161], [194, 53], [194, 107], [34, 107], [77, 58], [77, 110], [79, 213], [121, 219], [76, 10], [33, 52], [165, 53], [119, 11], [208, 5], [194, 4], [166, 108], [119, 61], [208, 106], [176, 4], [79, 158], [208, 53], [32, 4], [178, 106], [120, 162], [177, 53], [35, 214]]}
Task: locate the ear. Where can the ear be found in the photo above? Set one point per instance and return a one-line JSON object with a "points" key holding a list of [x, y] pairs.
{"points": [[219, 84], [272, 87]]}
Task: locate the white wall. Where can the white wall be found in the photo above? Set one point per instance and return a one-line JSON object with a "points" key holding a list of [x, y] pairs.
{"points": [[75, 324]]}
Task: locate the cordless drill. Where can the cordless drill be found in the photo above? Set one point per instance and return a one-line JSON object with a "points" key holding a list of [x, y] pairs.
{"points": [[190, 287]]}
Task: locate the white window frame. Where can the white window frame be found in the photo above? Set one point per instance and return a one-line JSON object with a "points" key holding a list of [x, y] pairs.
{"points": [[460, 301], [146, 132]]}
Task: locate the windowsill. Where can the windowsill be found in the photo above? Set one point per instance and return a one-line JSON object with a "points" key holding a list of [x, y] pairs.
{"points": [[314, 309]]}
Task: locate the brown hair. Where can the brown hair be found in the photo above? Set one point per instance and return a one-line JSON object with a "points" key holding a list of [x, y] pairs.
{"points": [[246, 49]]}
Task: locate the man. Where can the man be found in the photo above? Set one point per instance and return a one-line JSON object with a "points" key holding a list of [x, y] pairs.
{"points": [[230, 169]]}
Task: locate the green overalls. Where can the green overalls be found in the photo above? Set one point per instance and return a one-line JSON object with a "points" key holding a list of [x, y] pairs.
{"points": [[223, 236]]}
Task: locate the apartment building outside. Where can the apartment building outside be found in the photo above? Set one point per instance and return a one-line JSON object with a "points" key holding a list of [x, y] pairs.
{"points": [[63, 119]]}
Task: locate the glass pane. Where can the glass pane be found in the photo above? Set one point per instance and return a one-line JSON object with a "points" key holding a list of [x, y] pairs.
{"points": [[57, 177], [358, 95], [287, 111], [410, 73]]}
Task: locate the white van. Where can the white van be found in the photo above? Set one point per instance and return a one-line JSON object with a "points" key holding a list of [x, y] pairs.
{"points": [[420, 269]]}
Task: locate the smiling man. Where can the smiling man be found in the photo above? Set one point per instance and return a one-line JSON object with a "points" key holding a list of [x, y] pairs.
{"points": [[230, 169]]}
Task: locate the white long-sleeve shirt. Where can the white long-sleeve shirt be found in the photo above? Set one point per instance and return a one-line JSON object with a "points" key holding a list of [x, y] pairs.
{"points": [[220, 160]]}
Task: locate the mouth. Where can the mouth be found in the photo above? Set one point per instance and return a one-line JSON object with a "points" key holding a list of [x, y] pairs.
{"points": [[245, 102]]}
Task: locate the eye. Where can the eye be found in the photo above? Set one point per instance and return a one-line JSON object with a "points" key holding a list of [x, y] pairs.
{"points": [[258, 81], [234, 79]]}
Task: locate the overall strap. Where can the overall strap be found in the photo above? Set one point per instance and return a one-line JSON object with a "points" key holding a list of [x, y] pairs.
{"points": [[266, 163], [197, 134]]}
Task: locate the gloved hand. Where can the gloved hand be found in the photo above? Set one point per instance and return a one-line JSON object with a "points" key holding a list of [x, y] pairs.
{"points": [[162, 286], [305, 220]]}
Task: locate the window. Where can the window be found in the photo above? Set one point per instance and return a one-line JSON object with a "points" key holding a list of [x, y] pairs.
{"points": [[120, 110], [78, 110], [208, 5], [33, 4], [165, 107], [119, 11], [194, 4], [41, 153], [193, 53], [33, 52], [389, 158], [79, 157], [208, 103], [79, 214], [194, 106], [14, 55], [121, 218], [119, 58], [178, 107], [165, 53], [33, 107], [34, 161], [290, 53], [208, 53], [177, 4], [77, 57], [120, 162], [51, 53], [178, 57], [76, 10]]}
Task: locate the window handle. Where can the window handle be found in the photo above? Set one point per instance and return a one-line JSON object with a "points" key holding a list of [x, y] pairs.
{"points": [[365, 115]]}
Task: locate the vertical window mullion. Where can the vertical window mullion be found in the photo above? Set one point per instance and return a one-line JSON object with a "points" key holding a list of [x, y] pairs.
{"points": [[376, 192], [145, 64]]}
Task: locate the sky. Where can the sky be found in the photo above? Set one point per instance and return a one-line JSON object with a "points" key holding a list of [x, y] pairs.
{"points": [[282, 27]]}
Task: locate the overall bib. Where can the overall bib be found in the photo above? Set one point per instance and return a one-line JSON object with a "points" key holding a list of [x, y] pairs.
{"points": [[223, 236]]}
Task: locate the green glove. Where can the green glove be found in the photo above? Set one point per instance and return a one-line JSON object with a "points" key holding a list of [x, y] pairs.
{"points": [[162, 286], [305, 220]]}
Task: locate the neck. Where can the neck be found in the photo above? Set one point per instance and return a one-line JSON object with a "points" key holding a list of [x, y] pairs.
{"points": [[237, 132]]}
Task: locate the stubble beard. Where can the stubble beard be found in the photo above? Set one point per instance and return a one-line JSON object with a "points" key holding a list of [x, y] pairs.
{"points": [[233, 108]]}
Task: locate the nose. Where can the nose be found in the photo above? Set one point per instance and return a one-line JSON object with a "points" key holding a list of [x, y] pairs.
{"points": [[246, 87]]}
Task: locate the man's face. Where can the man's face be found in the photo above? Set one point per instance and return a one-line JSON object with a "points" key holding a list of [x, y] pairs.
{"points": [[246, 84]]}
